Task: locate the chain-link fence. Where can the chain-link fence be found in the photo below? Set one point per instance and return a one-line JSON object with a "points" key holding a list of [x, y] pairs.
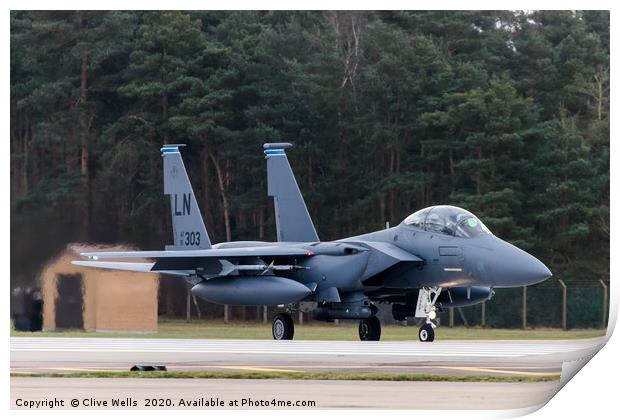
{"points": [[553, 304]]}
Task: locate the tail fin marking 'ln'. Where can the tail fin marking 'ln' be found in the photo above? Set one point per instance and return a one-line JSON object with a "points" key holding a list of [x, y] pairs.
{"points": [[293, 222], [187, 224]]}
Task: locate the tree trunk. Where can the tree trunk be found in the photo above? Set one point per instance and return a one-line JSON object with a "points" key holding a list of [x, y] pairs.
{"points": [[164, 99], [221, 184], [261, 225], [20, 133], [479, 174], [206, 181], [310, 179], [240, 222], [25, 159], [85, 123]]}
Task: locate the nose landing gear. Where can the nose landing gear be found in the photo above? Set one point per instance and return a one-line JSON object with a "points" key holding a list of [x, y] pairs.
{"points": [[426, 333], [425, 308]]}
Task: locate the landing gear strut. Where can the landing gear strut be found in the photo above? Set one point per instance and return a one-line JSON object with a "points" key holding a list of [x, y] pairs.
{"points": [[425, 308], [282, 327], [370, 329]]}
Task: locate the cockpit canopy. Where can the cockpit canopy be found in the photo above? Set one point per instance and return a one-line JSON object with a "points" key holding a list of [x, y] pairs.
{"points": [[448, 220]]}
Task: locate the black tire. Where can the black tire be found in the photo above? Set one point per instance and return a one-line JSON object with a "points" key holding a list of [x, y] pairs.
{"points": [[282, 327], [370, 329], [426, 333]]}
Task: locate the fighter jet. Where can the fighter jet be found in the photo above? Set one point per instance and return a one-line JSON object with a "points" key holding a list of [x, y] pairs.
{"points": [[438, 257]]}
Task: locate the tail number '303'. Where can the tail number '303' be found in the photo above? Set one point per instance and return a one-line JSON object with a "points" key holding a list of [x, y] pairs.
{"points": [[190, 238]]}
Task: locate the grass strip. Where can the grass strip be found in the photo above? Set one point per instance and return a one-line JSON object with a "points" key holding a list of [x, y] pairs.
{"points": [[213, 329], [327, 375]]}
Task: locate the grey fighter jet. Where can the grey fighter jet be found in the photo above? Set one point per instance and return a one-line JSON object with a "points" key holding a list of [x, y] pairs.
{"points": [[439, 257]]}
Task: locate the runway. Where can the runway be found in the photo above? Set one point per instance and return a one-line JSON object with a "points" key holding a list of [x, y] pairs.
{"points": [[323, 394], [488, 358], [532, 357]]}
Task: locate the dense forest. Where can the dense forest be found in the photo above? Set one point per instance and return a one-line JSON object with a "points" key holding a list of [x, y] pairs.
{"points": [[503, 113]]}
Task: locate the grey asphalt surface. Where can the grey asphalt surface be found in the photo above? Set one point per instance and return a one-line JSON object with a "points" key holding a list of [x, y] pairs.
{"points": [[61, 355], [325, 394], [514, 358]]}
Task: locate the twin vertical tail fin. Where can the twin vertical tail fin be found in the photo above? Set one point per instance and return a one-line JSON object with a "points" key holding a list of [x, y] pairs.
{"points": [[187, 224], [293, 222]]}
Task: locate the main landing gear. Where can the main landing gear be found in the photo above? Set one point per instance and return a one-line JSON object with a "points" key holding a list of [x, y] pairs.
{"points": [[370, 329], [282, 327]]}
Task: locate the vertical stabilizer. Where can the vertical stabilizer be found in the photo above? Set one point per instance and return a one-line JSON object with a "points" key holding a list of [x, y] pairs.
{"points": [[293, 221], [187, 224]]}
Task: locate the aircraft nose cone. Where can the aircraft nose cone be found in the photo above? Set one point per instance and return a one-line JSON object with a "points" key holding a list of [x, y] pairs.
{"points": [[534, 271], [516, 267]]}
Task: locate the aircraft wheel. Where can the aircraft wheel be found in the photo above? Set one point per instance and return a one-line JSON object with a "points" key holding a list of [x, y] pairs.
{"points": [[282, 327], [426, 333], [370, 329]]}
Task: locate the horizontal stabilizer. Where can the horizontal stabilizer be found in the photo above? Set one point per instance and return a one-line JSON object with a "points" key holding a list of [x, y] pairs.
{"points": [[126, 266], [263, 251]]}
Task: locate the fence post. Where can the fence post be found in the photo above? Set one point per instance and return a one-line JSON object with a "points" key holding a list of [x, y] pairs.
{"points": [[225, 314], [524, 307], [265, 314], [198, 311], [483, 317], [188, 306], [564, 303], [301, 317], [451, 317], [605, 301]]}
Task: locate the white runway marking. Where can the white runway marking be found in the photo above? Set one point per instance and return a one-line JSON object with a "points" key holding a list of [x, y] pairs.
{"points": [[500, 349]]}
